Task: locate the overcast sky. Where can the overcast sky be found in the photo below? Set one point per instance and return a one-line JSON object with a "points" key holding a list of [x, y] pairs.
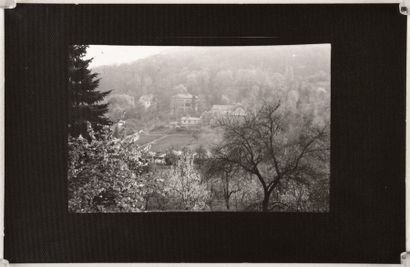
{"points": [[114, 54]]}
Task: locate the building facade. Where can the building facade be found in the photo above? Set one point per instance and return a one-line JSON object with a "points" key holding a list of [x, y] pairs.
{"points": [[190, 121], [184, 103], [220, 111]]}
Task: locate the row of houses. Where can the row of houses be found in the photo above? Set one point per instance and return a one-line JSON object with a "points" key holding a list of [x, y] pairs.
{"points": [[183, 104], [210, 117]]}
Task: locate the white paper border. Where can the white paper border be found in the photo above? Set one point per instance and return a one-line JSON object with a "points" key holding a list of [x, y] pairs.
{"points": [[2, 126], [208, 1]]}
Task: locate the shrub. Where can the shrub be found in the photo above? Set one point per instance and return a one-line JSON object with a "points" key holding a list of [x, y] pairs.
{"points": [[185, 189], [106, 174]]}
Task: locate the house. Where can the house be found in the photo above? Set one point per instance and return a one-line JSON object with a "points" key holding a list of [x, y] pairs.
{"points": [[238, 111], [119, 129], [147, 100], [190, 121], [184, 103], [220, 111], [177, 152], [160, 159]]}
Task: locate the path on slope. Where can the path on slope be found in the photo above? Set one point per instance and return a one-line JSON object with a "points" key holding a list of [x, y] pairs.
{"points": [[156, 140]]}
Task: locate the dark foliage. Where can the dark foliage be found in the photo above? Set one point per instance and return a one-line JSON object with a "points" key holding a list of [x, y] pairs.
{"points": [[85, 101]]}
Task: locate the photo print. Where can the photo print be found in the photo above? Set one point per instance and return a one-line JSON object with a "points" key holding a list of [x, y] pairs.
{"points": [[185, 128]]}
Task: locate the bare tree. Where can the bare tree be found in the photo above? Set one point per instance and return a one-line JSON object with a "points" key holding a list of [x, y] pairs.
{"points": [[226, 172], [275, 146]]}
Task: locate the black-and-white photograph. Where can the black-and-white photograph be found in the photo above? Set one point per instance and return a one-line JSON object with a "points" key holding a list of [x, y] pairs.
{"points": [[207, 128]]}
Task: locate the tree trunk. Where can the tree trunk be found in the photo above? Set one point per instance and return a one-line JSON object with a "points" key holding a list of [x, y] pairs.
{"points": [[146, 203], [265, 202], [227, 202], [226, 191]]}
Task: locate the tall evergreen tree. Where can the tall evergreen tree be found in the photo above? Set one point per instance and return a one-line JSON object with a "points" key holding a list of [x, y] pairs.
{"points": [[85, 101]]}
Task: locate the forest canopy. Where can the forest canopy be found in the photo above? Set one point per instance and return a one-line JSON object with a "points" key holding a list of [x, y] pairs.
{"points": [[218, 75]]}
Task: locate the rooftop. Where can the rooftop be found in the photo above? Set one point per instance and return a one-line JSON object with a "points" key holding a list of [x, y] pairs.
{"points": [[183, 95], [222, 107], [190, 118]]}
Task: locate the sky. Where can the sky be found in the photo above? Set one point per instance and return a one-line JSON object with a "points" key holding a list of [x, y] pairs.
{"points": [[115, 54], [111, 55]]}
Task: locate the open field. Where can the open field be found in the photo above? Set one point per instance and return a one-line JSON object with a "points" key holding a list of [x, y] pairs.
{"points": [[174, 141], [163, 141], [147, 138]]}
